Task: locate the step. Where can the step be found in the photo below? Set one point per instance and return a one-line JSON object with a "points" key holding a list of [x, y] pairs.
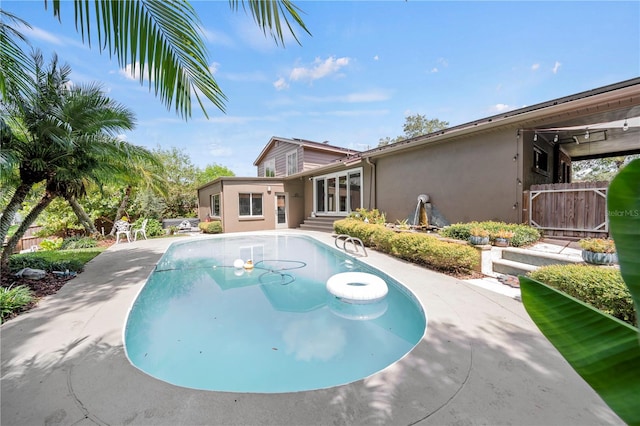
{"points": [[538, 258], [510, 267], [316, 227]]}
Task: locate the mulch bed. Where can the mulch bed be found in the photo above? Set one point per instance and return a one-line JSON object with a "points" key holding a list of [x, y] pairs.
{"points": [[46, 286]]}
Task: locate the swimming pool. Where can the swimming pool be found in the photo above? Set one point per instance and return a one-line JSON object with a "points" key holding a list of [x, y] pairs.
{"points": [[200, 322]]}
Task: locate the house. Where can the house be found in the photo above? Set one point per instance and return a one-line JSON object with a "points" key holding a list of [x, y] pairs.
{"points": [[480, 170]]}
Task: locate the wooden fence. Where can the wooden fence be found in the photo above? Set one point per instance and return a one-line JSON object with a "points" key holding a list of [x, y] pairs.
{"points": [[569, 210], [29, 240]]}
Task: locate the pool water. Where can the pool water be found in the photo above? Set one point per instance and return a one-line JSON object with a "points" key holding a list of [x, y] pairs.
{"points": [[201, 323]]}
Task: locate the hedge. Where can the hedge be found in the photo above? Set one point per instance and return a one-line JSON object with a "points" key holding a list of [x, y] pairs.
{"points": [[600, 287], [412, 246], [523, 235], [214, 227]]}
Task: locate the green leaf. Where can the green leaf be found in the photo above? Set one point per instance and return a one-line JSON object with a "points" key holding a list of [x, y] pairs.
{"points": [[623, 209], [602, 349]]}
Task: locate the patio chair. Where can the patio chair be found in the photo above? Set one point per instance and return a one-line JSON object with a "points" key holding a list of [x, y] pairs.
{"points": [[122, 227], [142, 230]]}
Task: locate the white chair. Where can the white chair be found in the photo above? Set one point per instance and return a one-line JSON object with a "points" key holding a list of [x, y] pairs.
{"points": [[122, 227], [142, 230]]}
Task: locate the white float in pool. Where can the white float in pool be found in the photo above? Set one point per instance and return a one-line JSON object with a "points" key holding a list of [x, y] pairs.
{"points": [[357, 287]]}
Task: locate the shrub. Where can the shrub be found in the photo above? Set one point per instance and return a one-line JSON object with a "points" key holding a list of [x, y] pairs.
{"points": [[13, 299], [523, 235], [598, 245], [73, 243], [411, 246], [60, 260], [214, 227], [370, 216], [602, 288], [153, 229], [51, 244]]}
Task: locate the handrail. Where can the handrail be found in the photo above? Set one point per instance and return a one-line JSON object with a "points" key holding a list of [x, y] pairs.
{"points": [[355, 241]]}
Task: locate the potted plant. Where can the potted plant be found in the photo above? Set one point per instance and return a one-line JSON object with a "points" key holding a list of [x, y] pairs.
{"points": [[598, 251], [502, 238], [478, 236]]}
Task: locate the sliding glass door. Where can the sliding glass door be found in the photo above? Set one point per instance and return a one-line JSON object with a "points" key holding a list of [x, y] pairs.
{"points": [[338, 194]]}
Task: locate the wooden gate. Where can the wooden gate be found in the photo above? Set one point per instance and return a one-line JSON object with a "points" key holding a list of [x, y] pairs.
{"points": [[570, 210]]}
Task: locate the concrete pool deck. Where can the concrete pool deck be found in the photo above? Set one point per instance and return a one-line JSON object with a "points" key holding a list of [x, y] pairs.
{"points": [[481, 361]]}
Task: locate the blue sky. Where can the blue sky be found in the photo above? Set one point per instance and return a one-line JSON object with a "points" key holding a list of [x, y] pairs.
{"points": [[365, 68]]}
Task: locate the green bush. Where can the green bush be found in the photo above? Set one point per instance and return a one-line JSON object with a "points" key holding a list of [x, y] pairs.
{"points": [[523, 235], [13, 299], [214, 227], [51, 244], [78, 242], [153, 229], [60, 260], [374, 216], [412, 246], [602, 288]]}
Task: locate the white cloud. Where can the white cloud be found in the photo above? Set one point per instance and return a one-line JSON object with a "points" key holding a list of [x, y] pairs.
{"points": [[319, 69], [556, 67], [434, 70], [443, 62], [214, 67], [376, 58], [501, 108], [281, 84], [132, 71], [217, 38], [535, 67]]}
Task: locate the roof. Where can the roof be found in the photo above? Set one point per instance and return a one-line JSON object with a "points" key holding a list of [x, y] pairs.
{"points": [[318, 146]]}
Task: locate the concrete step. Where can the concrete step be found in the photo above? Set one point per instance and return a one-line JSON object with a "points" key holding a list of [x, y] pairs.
{"points": [[537, 258], [317, 227], [510, 267]]}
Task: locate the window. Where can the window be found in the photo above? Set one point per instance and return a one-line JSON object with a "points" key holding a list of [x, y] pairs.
{"points": [[540, 160], [270, 168], [215, 205], [292, 163], [250, 204]]}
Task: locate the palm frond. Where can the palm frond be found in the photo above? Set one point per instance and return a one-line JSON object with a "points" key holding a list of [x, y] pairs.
{"points": [[161, 40]]}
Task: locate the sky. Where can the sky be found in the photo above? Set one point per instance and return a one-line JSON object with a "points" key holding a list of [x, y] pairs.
{"points": [[365, 67]]}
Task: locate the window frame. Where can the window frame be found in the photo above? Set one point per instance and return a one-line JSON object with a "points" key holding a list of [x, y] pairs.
{"points": [[539, 155], [288, 155], [252, 196], [269, 164], [213, 213]]}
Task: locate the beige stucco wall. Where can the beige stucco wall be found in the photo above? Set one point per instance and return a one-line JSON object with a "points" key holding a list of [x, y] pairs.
{"points": [[469, 178]]}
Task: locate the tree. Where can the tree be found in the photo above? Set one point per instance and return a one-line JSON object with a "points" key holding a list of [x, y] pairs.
{"points": [[69, 140], [416, 125], [180, 176], [161, 39], [212, 172], [599, 169]]}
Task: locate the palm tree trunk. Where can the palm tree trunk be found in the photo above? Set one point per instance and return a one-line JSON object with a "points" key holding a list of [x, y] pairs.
{"points": [[12, 208], [82, 215], [121, 209], [31, 217]]}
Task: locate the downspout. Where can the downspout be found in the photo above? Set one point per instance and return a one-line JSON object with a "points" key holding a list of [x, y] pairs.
{"points": [[372, 183]]}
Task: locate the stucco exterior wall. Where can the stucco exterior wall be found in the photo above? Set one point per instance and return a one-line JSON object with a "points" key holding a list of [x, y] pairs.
{"points": [[471, 178]]}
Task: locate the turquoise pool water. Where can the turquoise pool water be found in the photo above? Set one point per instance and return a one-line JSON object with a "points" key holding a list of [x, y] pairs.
{"points": [[201, 323]]}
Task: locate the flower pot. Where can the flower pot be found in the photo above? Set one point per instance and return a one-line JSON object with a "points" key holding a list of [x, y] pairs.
{"points": [[599, 258], [501, 242], [477, 240]]}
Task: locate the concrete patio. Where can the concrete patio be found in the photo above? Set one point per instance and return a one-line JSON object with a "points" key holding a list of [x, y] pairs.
{"points": [[481, 361]]}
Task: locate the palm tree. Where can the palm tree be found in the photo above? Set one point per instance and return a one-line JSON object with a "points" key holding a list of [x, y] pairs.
{"points": [[163, 38], [32, 135], [94, 154]]}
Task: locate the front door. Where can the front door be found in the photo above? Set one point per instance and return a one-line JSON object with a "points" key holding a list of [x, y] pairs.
{"points": [[281, 210]]}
